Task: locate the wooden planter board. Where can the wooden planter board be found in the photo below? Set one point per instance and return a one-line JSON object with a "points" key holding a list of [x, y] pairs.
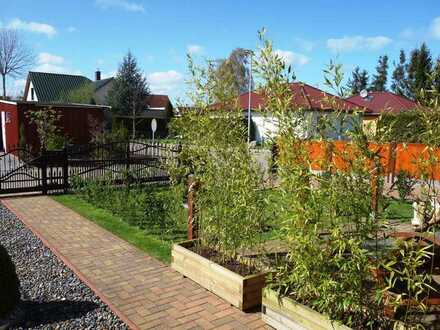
{"points": [[286, 314], [243, 292]]}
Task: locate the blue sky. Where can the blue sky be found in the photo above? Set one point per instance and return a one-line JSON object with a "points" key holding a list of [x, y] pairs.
{"points": [[82, 35]]}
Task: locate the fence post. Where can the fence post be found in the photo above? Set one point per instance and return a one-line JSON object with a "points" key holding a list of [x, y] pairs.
{"points": [[192, 223], [65, 170], [127, 156], [44, 171]]}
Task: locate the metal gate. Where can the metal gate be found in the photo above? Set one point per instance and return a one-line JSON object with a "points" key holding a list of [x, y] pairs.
{"points": [[22, 171]]}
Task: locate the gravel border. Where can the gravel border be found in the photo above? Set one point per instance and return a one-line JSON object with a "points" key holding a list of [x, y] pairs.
{"points": [[52, 296]]}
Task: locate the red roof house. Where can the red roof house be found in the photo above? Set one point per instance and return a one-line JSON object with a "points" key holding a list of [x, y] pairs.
{"points": [[304, 96], [311, 99], [382, 102]]}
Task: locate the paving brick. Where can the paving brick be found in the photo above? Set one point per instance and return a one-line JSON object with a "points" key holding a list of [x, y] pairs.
{"points": [[145, 292]]}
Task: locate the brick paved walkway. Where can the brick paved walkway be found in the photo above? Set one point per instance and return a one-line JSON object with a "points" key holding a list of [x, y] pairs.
{"points": [[144, 292]]}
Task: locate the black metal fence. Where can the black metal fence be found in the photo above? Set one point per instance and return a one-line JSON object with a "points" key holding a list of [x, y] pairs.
{"points": [[23, 171]]}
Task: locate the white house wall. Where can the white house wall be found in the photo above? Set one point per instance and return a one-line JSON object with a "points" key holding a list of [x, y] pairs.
{"points": [[29, 93], [267, 127]]}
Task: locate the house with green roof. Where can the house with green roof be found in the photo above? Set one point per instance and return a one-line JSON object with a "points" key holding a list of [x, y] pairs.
{"points": [[57, 88], [65, 88]]}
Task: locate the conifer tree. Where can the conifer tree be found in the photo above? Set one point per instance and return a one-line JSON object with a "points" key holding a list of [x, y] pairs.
{"points": [[129, 90], [419, 70], [399, 84], [358, 81], [379, 82]]}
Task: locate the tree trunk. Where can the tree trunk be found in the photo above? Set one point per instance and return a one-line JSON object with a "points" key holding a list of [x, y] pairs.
{"points": [[4, 86]]}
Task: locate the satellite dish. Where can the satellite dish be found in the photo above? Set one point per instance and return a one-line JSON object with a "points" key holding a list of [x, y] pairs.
{"points": [[364, 93]]}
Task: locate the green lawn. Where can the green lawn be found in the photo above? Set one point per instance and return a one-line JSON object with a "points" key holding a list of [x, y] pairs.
{"points": [[398, 210], [151, 244]]}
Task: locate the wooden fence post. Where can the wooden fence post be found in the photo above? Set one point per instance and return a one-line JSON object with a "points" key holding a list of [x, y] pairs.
{"points": [[375, 189], [192, 223]]}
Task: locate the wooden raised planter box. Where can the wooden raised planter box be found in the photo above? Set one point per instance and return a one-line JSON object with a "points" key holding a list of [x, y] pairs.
{"points": [[285, 313], [243, 292]]}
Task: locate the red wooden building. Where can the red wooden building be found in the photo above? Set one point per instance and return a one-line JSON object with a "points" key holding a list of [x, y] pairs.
{"points": [[75, 122]]}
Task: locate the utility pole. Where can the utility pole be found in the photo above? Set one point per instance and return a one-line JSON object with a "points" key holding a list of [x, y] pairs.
{"points": [[249, 52]]}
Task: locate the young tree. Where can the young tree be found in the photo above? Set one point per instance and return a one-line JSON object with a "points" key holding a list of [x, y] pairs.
{"points": [[358, 81], [15, 57], [399, 84], [236, 67], [379, 82], [129, 90], [419, 70], [46, 121]]}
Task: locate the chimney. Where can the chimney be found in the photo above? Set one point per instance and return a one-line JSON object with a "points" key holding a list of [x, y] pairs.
{"points": [[97, 75]]}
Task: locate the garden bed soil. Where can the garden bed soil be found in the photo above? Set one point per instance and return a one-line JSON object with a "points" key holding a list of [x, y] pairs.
{"points": [[241, 291], [229, 263]]}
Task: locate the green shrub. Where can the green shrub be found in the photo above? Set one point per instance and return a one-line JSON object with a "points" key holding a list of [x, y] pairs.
{"points": [[157, 210], [10, 285]]}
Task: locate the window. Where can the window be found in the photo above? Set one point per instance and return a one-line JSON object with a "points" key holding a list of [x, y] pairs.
{"points": [[32, 94]]}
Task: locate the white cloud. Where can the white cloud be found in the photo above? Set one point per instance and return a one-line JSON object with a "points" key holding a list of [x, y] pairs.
{"points": [[435, 27], [34, 27], [47, 62], [120, 4], [72, 29], [357, 43], [292, 58], [44, 58], [305, 45], [165, 82], [408, 33], [194, 49]]}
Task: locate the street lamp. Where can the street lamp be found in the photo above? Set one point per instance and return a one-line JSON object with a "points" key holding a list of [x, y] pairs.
{"points": [[249, 53]]}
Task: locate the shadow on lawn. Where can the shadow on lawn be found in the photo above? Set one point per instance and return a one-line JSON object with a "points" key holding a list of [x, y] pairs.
{"points": [[42, 313]]}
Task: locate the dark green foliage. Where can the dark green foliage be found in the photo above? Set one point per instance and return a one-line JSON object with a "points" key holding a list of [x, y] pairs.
{"points": [[129, 90], [408, 126], [379, 82], [358, 81], [436, 76], [9, 283], [399, 84], [418, 71]]}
